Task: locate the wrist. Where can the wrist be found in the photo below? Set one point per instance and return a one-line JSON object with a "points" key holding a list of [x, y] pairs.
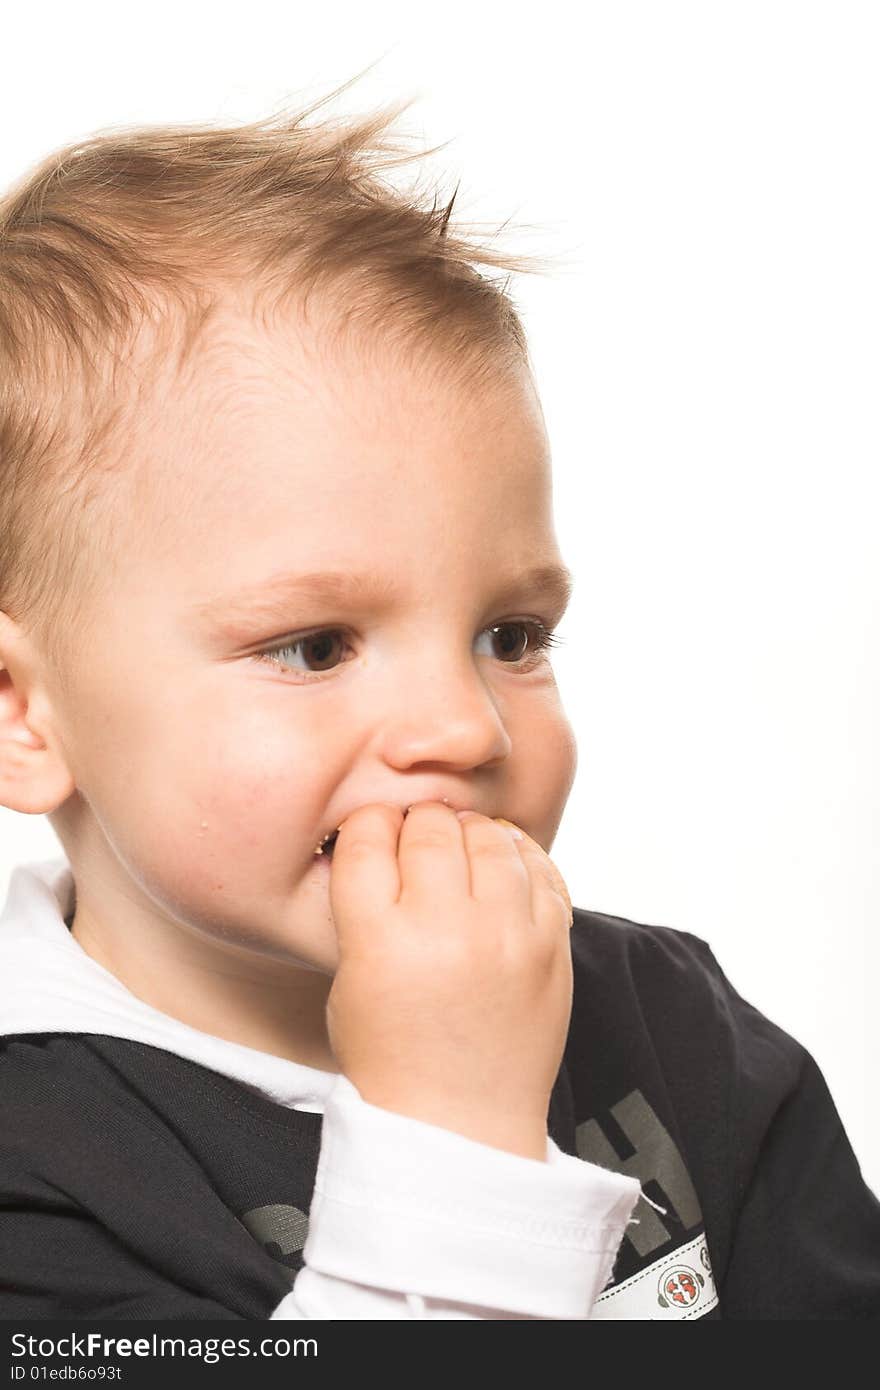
{"points": [[513, 1133]]}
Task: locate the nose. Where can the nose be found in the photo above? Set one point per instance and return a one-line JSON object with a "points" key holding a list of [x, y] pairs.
{"points": [[448, 718]]}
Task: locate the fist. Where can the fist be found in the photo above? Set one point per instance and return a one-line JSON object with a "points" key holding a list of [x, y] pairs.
{"points": [[452, 998]]}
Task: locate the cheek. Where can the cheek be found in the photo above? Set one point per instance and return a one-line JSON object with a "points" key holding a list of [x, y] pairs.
{"points": [[545, 764], [210, 791], [219, 834], [547, 740], [557, 765], [566, 752], [251, 786]]}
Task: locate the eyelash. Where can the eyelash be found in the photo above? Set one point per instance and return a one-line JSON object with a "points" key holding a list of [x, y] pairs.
{"points": [[545, 639]]}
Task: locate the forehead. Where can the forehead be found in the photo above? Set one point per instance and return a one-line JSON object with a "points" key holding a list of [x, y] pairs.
{"points": [[245, 398], [263, 453]]}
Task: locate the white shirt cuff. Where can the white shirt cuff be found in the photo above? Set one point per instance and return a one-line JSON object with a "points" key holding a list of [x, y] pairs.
{"points": [[407, 1206]]}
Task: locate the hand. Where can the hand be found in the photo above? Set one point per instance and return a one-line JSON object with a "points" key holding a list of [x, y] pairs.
{"points": [[452, 997]]}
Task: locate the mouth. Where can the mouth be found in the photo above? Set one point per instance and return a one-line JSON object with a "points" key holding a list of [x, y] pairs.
{"points": [[327, 844]]}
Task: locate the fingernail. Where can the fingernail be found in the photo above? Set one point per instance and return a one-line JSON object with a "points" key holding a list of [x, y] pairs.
{"points": [[463, 815]]}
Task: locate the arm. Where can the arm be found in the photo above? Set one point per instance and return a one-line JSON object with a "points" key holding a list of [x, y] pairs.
{"points": [[807, 1240], [412, 1220], [805, 1229]]}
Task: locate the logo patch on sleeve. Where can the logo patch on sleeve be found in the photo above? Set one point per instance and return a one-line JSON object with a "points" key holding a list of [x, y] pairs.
{"points": [[678, 1286]]}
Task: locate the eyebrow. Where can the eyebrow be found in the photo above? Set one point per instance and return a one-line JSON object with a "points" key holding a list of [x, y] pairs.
{"points": [[270, 599]]}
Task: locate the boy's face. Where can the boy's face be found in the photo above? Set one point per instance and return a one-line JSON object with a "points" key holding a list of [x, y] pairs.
{"points": [[205, 778]]}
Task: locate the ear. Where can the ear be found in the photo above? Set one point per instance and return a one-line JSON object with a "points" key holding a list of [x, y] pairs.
{"points": [[34, 777]]}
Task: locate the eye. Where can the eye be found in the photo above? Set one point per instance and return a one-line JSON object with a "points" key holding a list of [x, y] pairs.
{"points": [[318, 647], [507, 639], [322, 648]]}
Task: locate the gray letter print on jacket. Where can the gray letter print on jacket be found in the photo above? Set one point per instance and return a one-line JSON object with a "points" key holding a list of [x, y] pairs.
{"points": [[656, 1156], [277, 1224]]}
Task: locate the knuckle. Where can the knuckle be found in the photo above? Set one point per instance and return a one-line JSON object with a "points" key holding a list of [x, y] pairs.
{"points": [[543, 941], [553, 913]]}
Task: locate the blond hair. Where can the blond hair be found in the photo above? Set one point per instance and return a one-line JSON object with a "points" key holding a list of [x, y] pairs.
{"points": [[152, 225]]}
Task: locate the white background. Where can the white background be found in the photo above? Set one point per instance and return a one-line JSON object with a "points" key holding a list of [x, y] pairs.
{"points": [[708, 363]]}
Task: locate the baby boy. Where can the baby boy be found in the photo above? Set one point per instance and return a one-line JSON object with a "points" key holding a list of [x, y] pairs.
{"points": [[280, 450]]}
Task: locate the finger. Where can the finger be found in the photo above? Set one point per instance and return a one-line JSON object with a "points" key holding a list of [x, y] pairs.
{"points": [[364, 875], [431, 854], [496, 867], [541, 865]]}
